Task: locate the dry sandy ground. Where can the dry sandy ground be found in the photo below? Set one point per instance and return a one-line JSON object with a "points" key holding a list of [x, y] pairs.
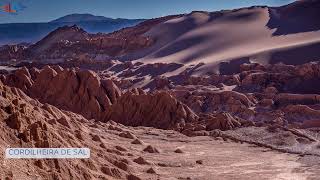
{"points": [[114, 155], [202, 37], [220, 159]]}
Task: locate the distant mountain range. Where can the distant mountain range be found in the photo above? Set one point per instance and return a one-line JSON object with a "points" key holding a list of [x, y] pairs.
{"points": [[218, 41], [13, 33], [80, 18]]}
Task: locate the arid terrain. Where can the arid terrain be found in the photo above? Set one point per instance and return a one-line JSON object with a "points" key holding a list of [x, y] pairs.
{"points": [[232, 94]]}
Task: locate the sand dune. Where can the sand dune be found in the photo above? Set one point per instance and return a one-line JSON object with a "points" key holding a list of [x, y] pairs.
{"points": [[248, 34]]}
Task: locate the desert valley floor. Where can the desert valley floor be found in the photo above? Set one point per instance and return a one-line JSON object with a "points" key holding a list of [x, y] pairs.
{"points": [[231, 94]]}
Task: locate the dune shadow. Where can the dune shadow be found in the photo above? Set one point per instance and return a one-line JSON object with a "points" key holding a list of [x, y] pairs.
{"points": [[180, 46], [233, 66], [295, 18], [310, 86], [156, 69], [297, 55], [242, 16]]}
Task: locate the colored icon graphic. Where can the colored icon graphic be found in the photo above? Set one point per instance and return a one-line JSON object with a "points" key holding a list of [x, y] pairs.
{"points": [[12, 7]]}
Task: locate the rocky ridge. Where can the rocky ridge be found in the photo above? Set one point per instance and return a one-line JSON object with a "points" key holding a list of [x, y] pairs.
{"points": [[84, 92], [255, 98]]}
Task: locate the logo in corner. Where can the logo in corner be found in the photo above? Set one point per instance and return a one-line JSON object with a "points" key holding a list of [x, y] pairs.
{"points": [[12, 7]]}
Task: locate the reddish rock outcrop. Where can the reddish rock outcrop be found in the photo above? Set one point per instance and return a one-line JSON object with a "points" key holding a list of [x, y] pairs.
{"points": [[12, 52], [28, 123], [85, 93], [301, 113], [158, 109], [178, 108], [305, 99], [21, 78], [72, 42], [206, 101], [222, 121], [70, 89]]}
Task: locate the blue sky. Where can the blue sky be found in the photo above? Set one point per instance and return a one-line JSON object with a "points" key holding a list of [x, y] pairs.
{"points": [[47, 10]]}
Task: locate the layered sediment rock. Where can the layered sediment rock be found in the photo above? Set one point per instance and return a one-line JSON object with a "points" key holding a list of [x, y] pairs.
{"points": [[79, 91], [216, 101], [28, 123], [158, 109], [178, 107], [85, 93]]}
